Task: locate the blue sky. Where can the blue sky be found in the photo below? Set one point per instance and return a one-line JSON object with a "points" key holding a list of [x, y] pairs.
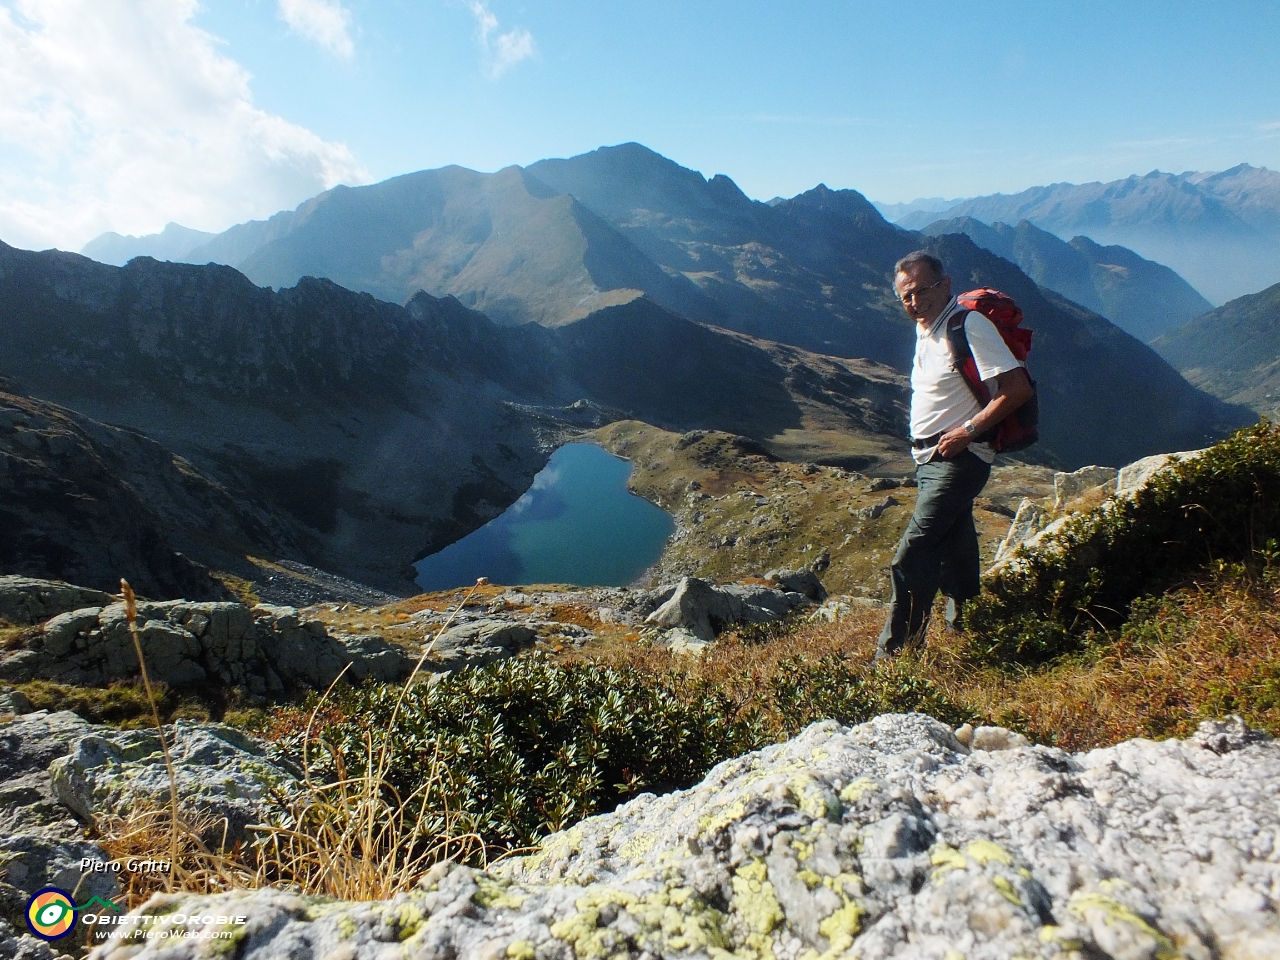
{"points": [[126, 114]]}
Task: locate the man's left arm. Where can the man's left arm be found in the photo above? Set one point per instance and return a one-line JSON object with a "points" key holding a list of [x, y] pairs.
{"points": [[1012, 389]]}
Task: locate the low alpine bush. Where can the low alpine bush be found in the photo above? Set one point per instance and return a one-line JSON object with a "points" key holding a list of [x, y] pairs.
{"points": [[528, 746], [1205, 513]]}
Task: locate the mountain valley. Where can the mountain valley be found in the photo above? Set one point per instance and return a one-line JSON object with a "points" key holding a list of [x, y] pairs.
{"points": [[1142, 298], [1232, 352], [539, 304], [359, 435]]}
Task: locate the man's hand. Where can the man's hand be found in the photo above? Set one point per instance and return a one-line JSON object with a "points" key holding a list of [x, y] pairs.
{"points": [[953, 443]]}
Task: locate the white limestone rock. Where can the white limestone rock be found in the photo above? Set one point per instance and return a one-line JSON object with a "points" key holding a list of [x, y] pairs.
{"points": [[1136, 475], [1068, 486], [889, 839]]}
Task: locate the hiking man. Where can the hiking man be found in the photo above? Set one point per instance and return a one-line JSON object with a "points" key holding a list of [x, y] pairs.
{"points": [[939, 549]]}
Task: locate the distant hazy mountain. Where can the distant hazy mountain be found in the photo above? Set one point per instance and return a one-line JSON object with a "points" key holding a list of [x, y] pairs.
{"points": [[1143, 298], [1233, 352], [1221, 231], [896, 211], [172, 243]]}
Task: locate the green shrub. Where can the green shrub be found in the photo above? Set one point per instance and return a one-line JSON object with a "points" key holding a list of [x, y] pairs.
{"points": [[527, 746], [1219, 509], [524, 747], [805, 691]]}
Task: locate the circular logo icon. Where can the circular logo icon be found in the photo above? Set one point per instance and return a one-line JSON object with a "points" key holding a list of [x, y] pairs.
{"points": [[51, 913]]}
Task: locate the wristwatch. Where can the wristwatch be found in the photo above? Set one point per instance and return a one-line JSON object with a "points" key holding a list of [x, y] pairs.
{"points": [[969, 428]]}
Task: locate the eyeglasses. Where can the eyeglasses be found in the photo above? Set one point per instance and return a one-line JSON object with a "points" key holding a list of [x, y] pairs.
{"points": [[912, 295]]}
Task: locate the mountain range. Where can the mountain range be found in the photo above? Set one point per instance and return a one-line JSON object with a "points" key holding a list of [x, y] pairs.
{"points": [[551, 243], [360, 435], [1220, 231], [1143, 298]]}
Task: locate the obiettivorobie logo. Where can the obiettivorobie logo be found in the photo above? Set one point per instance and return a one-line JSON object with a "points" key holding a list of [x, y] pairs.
{"points": [[52, 913]]}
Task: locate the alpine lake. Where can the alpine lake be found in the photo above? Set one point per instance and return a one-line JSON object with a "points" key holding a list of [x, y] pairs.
{"points": [[578, 524]]}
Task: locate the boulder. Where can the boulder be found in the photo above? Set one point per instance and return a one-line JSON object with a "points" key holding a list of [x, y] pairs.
{"points": [[705, 609], [26, 600], [803, 582], [223, 776], [1068, 486], [890, 839], [479, 642], [874, 511], [41, 843], [374, 658]]}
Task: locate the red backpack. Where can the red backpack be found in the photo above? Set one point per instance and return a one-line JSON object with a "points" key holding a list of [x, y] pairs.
{"points": [[1018, 430]]}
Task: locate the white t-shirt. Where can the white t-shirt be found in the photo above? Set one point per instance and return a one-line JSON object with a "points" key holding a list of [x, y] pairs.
{"points": [[940, 399]]}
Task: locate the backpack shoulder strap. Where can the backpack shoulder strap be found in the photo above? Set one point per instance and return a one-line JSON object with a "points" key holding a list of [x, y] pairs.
{"points": [[962, 356], [958, 337]]}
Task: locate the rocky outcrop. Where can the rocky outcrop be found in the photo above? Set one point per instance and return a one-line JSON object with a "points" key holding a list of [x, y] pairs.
{"points": [[1034, 522], [26, 600], [41, 843], [704, 610], [479, 642], [223, 777], [891, 839], [260, 651]]}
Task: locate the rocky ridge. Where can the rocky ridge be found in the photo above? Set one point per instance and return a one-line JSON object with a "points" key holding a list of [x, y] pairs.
{"points": [[1037, 519], [254, 652], [890, 839]]}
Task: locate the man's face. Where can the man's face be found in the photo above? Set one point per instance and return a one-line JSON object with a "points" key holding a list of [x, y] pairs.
{"points": [[922, 294]]}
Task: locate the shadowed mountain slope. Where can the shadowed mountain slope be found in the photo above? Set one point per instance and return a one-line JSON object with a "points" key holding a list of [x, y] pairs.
{"points": [[1233, 352], [1221, 231], [95, 503], [359, 435], [1143, 298]]}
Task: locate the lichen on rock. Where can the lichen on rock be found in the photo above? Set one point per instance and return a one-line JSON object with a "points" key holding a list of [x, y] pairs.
{"points": [[890, 839]]}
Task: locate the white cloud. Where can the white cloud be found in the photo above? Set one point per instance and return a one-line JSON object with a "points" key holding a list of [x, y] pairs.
{"points": [[499, 51], [324, 21], [122, 115]]}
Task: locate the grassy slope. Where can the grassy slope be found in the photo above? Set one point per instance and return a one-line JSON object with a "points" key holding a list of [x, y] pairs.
{"points": [[1232, 352], [740, 513]]}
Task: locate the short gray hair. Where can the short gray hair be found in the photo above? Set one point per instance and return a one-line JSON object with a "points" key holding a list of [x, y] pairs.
{"points": [[920, 258]]}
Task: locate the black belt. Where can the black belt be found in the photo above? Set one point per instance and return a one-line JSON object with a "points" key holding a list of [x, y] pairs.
{"points": [[921, 444]]}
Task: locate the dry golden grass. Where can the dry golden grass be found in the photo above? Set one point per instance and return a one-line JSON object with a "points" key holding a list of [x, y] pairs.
{"points": [[1205, 653], [150, 833], [351, 836]]}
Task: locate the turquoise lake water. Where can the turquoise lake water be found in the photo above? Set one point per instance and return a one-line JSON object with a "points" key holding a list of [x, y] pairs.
{"points": [[577, 524]]}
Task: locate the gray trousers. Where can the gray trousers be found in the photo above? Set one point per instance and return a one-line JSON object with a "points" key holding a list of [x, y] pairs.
{"points": [[938, 550]]}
